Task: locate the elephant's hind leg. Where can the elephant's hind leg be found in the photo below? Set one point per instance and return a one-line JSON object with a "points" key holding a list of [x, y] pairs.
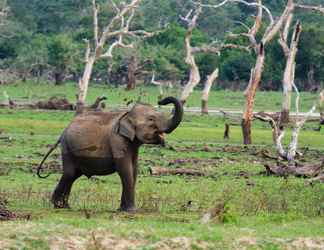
{"points": [[62, 191]]}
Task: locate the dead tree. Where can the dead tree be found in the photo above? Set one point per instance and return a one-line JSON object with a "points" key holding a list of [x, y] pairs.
{"points": [[194, 77], [289, 73], [259, 48], [191, 20], [279, 133], [131, 73], [135, 68], [271, 31], [115, 30], [215, 49], [205, 94], [256, 72]]}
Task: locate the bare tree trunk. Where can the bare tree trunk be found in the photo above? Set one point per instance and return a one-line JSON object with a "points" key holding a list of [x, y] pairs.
{"points": [[194, 77], [131, 76], [205, 94], [227, 131], [117, 28], [59, 77], [321, 107], [289, 74], [250, 92], [84, 82]]}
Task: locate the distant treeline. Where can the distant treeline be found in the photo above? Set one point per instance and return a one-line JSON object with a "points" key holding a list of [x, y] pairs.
{"points": [[45, 40]]}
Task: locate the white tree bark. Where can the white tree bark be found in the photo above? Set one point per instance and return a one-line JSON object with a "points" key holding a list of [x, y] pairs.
{"points": [[118, 28], [279, 133], [289, 73], [194, 77], [205, 93], [256, 72], [321, 107]]}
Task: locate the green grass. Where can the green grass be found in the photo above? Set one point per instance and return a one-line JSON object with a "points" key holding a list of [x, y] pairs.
{"points": [[261, 212], [220, 99]]}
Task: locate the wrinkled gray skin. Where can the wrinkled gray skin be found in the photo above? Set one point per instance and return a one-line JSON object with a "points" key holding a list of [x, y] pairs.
{"points": [[102, 143]]}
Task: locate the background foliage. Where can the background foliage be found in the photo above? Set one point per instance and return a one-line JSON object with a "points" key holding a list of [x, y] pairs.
{"points": [[44, 39]]}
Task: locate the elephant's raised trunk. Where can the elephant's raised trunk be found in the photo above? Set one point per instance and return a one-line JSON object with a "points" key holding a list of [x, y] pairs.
{"points": [[175, 120]]}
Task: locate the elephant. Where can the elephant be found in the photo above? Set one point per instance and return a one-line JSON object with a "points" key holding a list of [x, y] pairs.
{"points": [[102, 143]]}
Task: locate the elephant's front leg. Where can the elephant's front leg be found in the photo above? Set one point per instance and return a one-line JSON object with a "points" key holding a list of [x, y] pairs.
{"points": [[125, 170]]}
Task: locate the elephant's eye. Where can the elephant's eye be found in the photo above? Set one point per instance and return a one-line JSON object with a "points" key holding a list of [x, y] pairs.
{"points": [[151, 119]]}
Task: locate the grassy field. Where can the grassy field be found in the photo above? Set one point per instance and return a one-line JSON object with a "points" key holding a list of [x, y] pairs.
{"points": [[260, 212], [227, 100]]}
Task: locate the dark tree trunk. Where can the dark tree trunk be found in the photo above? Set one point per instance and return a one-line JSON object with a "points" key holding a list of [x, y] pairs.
{"points": [[246, 129], [131, 73], [59, 78], [226, 131], [204, 107]]}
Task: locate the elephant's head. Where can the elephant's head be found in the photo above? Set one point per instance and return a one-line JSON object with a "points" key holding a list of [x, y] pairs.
{"points": [[145, 124]]}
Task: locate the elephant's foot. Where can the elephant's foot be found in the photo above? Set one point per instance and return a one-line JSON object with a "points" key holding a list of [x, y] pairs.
{"points": [[60, 204], [131, 209]]}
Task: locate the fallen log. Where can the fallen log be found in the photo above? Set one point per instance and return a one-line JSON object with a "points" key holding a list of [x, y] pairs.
{"points": [[54, 103], [8, 138], [305, 171], [159, 171], [319, 178]]}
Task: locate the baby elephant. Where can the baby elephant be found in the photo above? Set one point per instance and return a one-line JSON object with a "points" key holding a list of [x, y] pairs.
{"points": [[102, 143]]}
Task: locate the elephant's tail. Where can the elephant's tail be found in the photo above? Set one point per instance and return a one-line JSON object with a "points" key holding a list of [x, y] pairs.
{"points": [[39, 168]]}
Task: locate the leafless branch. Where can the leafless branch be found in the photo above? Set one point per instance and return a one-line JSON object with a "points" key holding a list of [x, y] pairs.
{"points": [[255, 4], [88, 50], [319, 8], [273, 28], [95, 10], [297, 127], [217, 49], [243, 24], [117, 28], [284, 35]]}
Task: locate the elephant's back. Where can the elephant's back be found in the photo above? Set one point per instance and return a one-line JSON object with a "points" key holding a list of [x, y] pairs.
{"points": [[88, 134]]}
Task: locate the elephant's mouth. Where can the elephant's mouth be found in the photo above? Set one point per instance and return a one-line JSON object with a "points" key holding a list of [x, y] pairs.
{"points": [[157, 138], [161, 139]]}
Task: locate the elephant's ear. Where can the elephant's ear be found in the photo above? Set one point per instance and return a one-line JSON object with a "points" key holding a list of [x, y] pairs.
{"points": [[126, 128]]}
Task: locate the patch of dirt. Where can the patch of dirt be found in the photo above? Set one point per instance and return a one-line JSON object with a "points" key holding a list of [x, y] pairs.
{"points": [[104, 240], [180, 243], [51, 166], [306, 243], [5, 214], [288, 244], [246, 242], [196, 163]]}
